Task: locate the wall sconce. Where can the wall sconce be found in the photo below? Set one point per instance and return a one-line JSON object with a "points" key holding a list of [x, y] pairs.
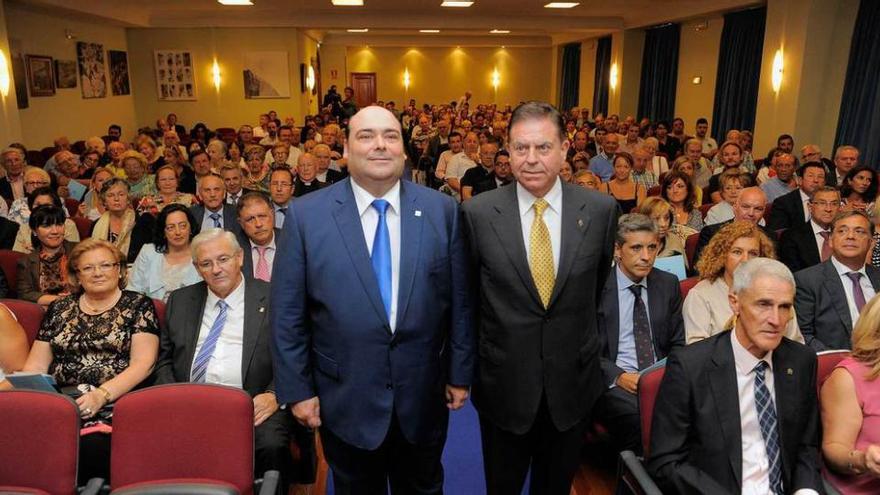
{"points": [[4, 75], [310, 78], [776, 74], [496, 79], [406, 79], [215, 75], [612, 79]]}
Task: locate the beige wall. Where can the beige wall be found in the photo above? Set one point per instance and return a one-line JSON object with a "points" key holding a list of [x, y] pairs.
{"points": [[228, 106], [333, 63], [10, 123], [67, 112], [588, 74], [626, 51], [441, 74], [697, 56]]}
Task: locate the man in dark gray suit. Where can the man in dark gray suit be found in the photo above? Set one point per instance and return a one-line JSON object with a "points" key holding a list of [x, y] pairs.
{"points": [[258, 235], [831, 295], [214, 212], [217, 331], [542, 250]]}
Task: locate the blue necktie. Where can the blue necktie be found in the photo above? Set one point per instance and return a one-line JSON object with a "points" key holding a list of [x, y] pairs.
{"points": [[200, 363], [381, 257], [769, 431], [216, 218]]}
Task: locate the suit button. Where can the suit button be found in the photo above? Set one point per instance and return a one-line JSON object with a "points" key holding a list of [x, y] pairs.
{"points": [[394, 345], [389, 386], [546, 319]]}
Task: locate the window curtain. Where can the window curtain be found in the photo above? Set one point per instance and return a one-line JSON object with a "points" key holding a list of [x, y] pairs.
{"points": [[571, 76], [859, 121], [603, 72], [739, 71], [659, 72]]}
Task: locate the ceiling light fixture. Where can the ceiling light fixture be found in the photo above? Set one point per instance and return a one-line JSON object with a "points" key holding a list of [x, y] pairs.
{"points": [[451, 3], [499, 31], [235, 2], [348, 3], [362, 30], [429, 30], [561, 5]]}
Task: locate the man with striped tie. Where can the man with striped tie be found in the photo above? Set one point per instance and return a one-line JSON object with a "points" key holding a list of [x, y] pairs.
{"points": [[737, 412], [217, 331]]}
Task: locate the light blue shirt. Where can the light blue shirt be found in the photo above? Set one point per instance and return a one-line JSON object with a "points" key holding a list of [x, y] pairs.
{"points": [[627, 360], [208, 222], [152, 278], [774, 188], [279, 217], [601, 166]]}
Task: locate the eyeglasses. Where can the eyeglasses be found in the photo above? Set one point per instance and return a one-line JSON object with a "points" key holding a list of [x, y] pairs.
{"points": [[209, 264], [182, 226], [101, 267], [280, 184], [36, 183], [826, 204], [857, 232]]}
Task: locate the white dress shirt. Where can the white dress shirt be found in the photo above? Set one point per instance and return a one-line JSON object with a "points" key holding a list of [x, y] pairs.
{"points": [[270, 254], [817, 236], [864, 281], [232, 199], [369, 220], [552, 217], [805, 200], [224, 368]]}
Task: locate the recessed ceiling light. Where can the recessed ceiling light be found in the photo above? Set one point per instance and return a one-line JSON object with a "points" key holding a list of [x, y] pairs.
{"points": [[362, 30], [499, 31], [561, 5], [348, 3], [235, 2], [451, 3], [429, 30]]}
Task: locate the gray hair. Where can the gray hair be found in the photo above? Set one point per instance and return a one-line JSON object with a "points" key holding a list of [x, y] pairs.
{"points": [[843, 148], [632, 223], [746, 273], [216, 143], [212, 234], [11, 150]]}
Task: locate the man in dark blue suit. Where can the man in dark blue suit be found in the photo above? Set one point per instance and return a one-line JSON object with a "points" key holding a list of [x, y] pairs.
{"points": [[371, 317]]}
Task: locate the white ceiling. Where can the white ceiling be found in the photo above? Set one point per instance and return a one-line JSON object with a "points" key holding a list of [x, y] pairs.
{"points": [[396, 22]]}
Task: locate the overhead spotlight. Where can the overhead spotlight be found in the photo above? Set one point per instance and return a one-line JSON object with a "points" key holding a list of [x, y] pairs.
{"points": [[359, 30], [348, 3], [235, 2], [561, 5], [429, 30], [499, 31], [451, 3]]}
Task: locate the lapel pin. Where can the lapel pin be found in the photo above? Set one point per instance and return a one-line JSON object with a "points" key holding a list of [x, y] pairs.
{"points": [[418, 213], [789, 371], [263, 308], [580, 223]]}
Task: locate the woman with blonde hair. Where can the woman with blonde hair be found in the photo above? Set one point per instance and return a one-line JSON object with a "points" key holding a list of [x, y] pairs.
{"points": [[257, 176], [706, 308], [167, 182], [672, 235], [659, 164], [92, 207], [140, 182], [147, 147], [850, 401]]}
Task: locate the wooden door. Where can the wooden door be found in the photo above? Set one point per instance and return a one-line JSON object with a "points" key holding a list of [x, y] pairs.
{"points": [[364, 85]]}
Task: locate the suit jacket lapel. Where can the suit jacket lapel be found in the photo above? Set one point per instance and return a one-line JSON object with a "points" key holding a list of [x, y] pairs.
{"points": [[254, 314], [573, 227], [411, 233], [611, 308], [508, 227], [873, 276], [835, 289], [722, 380], [194, 323], [784, 383], [657, 312], [352, 232]]}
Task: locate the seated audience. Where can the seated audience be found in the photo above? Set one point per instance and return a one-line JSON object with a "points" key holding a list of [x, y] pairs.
{"points": [[641, 169], [234, 155], [113, 159], [686, 167], [587, 180], [693, 151], [672, 235], [100, 339], [193, 342], [258, 234], [43, 196], [34, 178], [631, 337], [622, 187], [12, 185], [565, 172], [784, 182], [281, 191], [167, 192], [13, 343], [500, 176], [140, 182], [201, 167], [213, 212], [483, 171], [850, 402], [69, 176], [233, 179], [809, 243], [729, 157], [603, 163], [748, 207], [326, 174], [831, 295], [42, 274], [216, 150], [859, 189], [92, 207], [455, 148], [460, 163], [731, 183], [845, 158], [731, 418], [257, 177], [119, 224], [793, 208], [306, 176], [659, 163], [148, 148], [165, 264], [679, 191], [706, 308], [668, 145]]}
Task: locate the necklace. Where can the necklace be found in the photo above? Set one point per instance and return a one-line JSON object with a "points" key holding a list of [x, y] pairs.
{"points": [[93, 309]]}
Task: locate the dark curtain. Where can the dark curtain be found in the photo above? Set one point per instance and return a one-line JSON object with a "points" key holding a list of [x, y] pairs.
{"points": [[571, 76], [739, 71], [603, 72], [659, 72], [859, 121]]}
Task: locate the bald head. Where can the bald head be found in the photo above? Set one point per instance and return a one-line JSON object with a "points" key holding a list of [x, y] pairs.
{"points": [[307, 167], [750, 205]]}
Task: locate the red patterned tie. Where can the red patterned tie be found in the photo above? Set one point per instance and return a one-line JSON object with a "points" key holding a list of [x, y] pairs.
{"points": [[262, 272]]}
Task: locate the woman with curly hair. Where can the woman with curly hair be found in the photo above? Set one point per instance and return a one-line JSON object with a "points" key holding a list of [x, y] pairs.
{"points": [[706, 309], [679, 191]]}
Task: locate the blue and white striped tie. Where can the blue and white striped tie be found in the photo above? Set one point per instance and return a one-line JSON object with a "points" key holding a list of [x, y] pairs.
{"points": [[769, 430], [200, 363]]}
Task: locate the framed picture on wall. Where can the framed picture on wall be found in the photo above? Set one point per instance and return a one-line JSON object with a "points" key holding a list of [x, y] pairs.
{"points": [[90, 57], [266, 75], [41, 75], [65, 74], [175, 75], [119, 82]]}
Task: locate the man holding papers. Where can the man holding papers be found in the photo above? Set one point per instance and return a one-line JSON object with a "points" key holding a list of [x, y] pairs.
{"points": [[640, 323]]}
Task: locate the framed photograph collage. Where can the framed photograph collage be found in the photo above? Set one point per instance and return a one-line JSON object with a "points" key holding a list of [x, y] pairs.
{"points": [[175, 78]]}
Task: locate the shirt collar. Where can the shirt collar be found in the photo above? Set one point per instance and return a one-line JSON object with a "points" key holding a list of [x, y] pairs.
{"points": [[804, 196], [624, 282], [816, 227], [277, 207], [235, 299], [553, 197], [745, 360], [271, 244], [364, 199], [843, 269]]}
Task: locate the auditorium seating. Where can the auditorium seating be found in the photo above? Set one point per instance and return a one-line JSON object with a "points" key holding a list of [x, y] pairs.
{"points": [[690, 247], [632, 471], [8, 260], [827, 360], [686, 286], [28, 314], [83, 226]]}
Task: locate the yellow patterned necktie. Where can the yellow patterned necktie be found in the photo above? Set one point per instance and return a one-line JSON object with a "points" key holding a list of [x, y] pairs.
{"points": [[541, 254]]}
